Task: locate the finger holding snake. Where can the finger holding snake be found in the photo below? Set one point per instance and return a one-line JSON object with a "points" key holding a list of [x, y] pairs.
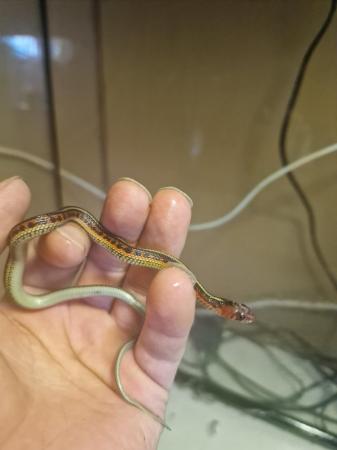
{"points": [[170, 311], [165, 229]]}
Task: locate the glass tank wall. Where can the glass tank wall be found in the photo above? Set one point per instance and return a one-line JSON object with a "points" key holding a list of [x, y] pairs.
{"points": [[194, 94]]}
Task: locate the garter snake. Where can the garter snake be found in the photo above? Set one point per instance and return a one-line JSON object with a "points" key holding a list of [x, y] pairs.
{"points": [[154, 259]]}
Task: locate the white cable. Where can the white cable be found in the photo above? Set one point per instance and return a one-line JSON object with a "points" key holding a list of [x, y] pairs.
{"points": [[50, 166], [194, 227], [293, 304], [260, 186], [261, 304]]}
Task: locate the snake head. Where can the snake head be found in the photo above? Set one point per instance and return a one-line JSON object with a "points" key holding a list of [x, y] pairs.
{"points": [[236, 311]]}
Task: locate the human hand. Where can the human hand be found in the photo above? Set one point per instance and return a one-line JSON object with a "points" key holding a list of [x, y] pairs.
{"points": [[57, 363]]}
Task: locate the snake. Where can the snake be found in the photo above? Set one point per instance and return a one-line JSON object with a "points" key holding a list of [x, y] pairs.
{"points": [[154, 259]]}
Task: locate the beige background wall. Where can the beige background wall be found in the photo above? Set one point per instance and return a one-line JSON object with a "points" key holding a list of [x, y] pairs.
{"points": [[23, 108], [194, 93]]}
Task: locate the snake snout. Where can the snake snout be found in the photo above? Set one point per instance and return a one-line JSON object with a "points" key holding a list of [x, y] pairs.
{"points": [[244, 314], [236, 311]]}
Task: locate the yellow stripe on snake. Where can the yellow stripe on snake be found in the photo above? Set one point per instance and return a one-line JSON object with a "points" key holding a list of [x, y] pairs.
{"points": [[153, 259]]}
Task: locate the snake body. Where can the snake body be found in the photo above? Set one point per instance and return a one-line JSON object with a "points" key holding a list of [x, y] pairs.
{"points": [[154, 259]]}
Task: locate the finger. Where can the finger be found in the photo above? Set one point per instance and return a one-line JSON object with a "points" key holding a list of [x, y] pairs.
{"points": [[14, 202], [124, 214], [166, 230], [54, 259], [169, 317]]}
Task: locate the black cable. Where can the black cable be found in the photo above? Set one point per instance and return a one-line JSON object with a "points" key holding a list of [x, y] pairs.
{"points": [[297, 411], [97, 25], [46, 61], [283, 137]]}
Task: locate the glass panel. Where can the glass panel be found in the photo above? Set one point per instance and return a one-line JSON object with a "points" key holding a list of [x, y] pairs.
{"points": [[23, 106], [196, 101], [75, 79], [193, 94]]}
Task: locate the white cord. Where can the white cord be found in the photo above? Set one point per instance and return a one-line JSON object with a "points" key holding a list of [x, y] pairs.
{"points": [[50, 166], [293, 304], [261, 304], [260, 186], [194, 227]]}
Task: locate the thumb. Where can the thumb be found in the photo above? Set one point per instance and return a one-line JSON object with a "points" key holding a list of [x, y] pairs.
{"points": [[169, 317], [14, 202]]}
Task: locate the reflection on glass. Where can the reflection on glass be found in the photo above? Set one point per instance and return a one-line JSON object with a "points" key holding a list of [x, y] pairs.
{"points": [[29, 47]]}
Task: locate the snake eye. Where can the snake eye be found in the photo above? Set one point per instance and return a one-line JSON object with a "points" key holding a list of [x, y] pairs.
{"points": [[244, 314], [240, 315], [236, 311]]}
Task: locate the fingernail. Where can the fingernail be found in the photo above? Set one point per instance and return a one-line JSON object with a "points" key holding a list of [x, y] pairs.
{"points": [[173, 188], [8, 181], [138, 184]]}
